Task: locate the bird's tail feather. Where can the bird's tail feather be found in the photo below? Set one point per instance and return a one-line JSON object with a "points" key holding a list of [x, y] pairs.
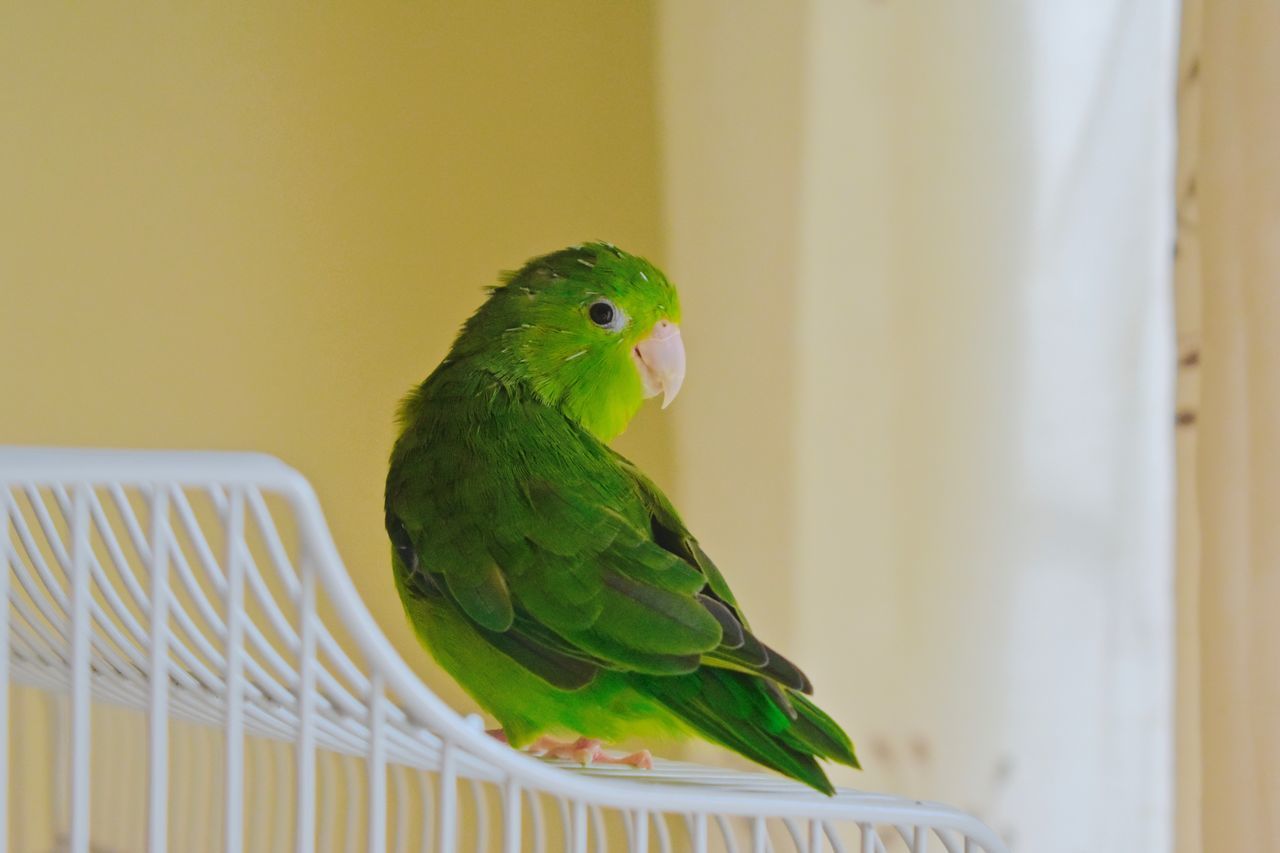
{"points": [[737, 711], [814, 731]]}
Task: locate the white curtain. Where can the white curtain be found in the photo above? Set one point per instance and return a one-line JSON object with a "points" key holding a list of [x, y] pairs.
{"points": [[925, 250]]}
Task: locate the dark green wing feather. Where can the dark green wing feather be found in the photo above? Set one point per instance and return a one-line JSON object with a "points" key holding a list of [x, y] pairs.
{"points": [[670, 533], [527, 526]]}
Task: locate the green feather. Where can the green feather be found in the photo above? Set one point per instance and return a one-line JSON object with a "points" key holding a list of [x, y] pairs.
{"points": [[482, 593], [543, 570]]}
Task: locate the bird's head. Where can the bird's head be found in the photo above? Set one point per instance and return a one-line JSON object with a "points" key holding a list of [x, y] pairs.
{"points": [[591, 329]]}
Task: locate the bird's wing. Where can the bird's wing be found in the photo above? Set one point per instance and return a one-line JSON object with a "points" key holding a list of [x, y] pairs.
{"points": [[530, 527], [670, 533]]}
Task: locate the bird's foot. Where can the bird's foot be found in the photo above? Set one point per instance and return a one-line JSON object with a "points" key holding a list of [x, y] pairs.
{"points": [[587, 751], [584, 750]]}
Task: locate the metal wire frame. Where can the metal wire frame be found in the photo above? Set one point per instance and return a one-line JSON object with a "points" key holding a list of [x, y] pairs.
{"points": [[210, 618]]}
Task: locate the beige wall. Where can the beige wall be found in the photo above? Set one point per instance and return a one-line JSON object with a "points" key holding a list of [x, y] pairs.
{"points": [[238, 226], [933, 239], [731, 142]]}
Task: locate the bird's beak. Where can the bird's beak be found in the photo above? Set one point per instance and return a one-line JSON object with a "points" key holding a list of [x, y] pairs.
{"points": [[660, 360]]}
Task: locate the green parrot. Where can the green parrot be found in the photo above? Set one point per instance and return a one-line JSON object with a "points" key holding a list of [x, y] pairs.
{"points": [[543, 570]]}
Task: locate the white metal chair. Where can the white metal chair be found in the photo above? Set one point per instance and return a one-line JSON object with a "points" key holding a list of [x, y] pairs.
{"points": [[185, 644]]}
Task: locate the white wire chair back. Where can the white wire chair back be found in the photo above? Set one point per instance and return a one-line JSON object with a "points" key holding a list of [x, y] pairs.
{"points": [[185, 665]]}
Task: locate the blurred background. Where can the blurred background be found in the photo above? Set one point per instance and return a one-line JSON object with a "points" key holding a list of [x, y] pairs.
{"points": [[926, 257]]}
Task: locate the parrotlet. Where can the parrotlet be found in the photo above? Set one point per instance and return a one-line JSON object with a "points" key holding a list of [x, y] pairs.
{"points": [[543, 570]]}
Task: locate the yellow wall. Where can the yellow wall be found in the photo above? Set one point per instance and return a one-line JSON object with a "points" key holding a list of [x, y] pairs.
{"points": [[234, 226]]}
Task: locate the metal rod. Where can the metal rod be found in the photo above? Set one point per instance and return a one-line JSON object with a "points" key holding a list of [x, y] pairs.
{"points": [[447, 818], [641, 844], [579, 826], [727, 835], [4, 667], [511, 808], [80, 733], [305, 783], [480, 815], [699, 831], [427, 794], [597, 826], [377, 803], [401, 837], [233, 832], [158, 713]]}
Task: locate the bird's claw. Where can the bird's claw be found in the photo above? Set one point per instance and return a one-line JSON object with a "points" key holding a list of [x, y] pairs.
{"points": [[584, 750], [587, 751]]}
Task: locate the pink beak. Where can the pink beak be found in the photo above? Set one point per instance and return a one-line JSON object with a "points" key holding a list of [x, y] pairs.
{"points": [[660, 360]]}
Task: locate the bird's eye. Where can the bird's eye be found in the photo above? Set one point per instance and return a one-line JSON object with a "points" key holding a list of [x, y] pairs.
{"points": [[603, 314]]}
